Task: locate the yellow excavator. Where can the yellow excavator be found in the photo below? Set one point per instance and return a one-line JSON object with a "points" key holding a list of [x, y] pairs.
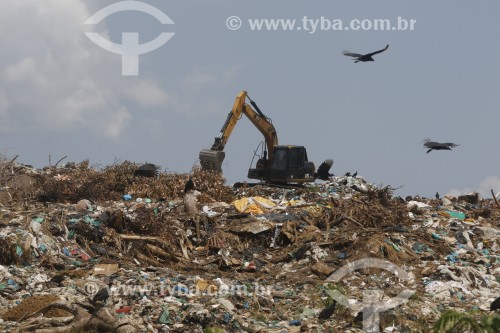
{"points": [[278, 164]]}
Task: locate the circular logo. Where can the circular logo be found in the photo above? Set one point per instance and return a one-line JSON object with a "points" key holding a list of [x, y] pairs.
{"points": [[233, 23], [91, 288]]}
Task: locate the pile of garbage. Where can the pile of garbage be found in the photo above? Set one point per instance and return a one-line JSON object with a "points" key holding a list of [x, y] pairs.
{"points": [[83, 249]]}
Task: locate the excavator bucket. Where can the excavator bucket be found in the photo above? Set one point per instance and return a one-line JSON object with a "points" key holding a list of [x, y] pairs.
{"points": [[211, 159]]}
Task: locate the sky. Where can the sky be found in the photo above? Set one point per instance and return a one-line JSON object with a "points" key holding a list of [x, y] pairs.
{"points": [[63, 95]]}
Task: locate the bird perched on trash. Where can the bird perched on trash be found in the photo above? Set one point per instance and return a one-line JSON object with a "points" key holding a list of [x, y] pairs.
{"points": [[438, 146], [355, 174], [327, 311], [147, 170], [103, 294], [323, 170], [347, 174], [189, 185], [363, 57], [495, 305], [437, 195]]}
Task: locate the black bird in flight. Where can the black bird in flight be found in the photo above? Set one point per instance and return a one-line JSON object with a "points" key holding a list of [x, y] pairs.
{"points": [[323, 170], [438, 146], [147, 170], [364, 57], [189, 185]]}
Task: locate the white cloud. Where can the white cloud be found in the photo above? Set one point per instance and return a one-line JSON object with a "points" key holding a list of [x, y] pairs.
{"points": [[199, 78], [20, 70], [203, 78], [148, 93], [117, 122], [53, 78], [488, 184], [200, 91], [484, 188]]}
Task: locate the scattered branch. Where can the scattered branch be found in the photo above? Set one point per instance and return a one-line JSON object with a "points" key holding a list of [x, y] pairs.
{"points": [[55, 165], [495, 198]]}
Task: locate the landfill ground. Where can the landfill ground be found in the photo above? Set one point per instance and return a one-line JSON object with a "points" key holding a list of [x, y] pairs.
{"points": [[87, 250]]}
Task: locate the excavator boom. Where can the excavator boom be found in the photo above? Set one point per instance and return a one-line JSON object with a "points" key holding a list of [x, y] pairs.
{"points": [[211, 159]]}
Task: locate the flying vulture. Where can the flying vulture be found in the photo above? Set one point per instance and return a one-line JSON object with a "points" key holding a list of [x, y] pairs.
{"points": [[147, 170], [323, 170], [364, 57], [431, 145]]}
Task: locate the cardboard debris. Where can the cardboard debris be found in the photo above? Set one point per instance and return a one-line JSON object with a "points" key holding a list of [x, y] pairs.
{"points": [[105, 269]]}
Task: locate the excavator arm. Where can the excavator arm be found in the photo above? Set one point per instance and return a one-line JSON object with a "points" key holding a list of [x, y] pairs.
{"points": [[264, 125], [211, 159]]}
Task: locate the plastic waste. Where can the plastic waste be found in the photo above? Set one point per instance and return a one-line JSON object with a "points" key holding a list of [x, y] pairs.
{"points": [[455, 214], [164, 317], [36, 224]]}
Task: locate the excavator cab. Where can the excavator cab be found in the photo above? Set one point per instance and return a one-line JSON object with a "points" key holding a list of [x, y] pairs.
{"points": [[289, 164]]}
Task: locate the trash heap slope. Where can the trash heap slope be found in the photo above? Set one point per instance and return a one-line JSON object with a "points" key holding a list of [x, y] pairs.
{"points": [[221, 259]]}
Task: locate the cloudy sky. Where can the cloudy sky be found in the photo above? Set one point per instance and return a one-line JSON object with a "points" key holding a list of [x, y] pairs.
{"points": [[61, 94]]}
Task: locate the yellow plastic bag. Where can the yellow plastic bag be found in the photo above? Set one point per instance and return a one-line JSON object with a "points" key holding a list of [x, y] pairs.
{"points": [[253, 205]]}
